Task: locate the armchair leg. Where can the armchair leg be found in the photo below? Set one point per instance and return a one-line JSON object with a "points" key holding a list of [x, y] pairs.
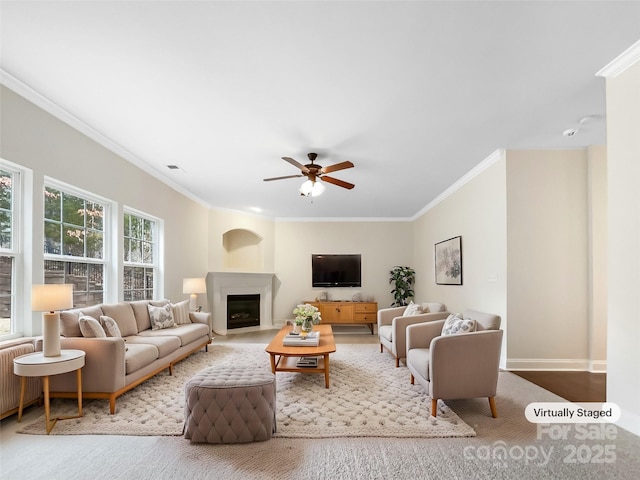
{"points": [[397, 362], [492, 405], [381, 348], [413, 380], [434, 407]]}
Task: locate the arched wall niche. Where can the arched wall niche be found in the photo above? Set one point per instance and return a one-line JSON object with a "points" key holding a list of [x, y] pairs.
{"points": [[243, 250]]}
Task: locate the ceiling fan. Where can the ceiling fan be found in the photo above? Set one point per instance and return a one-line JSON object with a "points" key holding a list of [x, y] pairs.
{"points": [[314, 172]]}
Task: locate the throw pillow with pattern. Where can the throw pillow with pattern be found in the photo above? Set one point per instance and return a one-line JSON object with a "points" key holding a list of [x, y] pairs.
{"points": [[161, 317], [110, 326], [90, 327], [454, 325]]}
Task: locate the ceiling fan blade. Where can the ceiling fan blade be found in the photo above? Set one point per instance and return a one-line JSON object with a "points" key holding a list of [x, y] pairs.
{"points": [[296, 164], [336, 167], [281, 178], [340, 183]]}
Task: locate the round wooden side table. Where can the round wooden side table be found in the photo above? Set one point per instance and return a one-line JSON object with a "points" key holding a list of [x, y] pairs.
{"points": [[37, 365]]}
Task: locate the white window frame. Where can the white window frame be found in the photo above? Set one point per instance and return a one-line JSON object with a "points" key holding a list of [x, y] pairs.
{"points": [[21, 186], [158, 233], [108, 260]]}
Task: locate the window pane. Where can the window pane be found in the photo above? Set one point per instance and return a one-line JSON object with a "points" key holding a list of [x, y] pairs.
{"points": [[127, 225], [6, 299], [73, 210], [6, 189], [147, 252], [5, 228], [52, 204], [73, 241], [136, 251], [95, 214], [94, 244], [148, 231], [136, 227], [52, 238], [87, 280]]}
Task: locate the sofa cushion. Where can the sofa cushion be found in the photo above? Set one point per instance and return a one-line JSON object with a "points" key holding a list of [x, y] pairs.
{"points": [[181, 312], [186, 333], [454, 325], [412, 309], [161, 317], [90, 327], [110, 326], [95, 311], [139, 356], [432, 307], [141, 313], [386, 331], [122, 313], [484, 321], [70, 323], [419, 358], [164, 343]]}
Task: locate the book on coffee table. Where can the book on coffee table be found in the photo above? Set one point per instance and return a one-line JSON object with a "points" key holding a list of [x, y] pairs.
{"points": [[311, 340], [307, 362]]}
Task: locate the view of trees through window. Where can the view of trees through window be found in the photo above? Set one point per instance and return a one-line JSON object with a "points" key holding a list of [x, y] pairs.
{"points": [[139, 257], [74, 245], [7, 263]]}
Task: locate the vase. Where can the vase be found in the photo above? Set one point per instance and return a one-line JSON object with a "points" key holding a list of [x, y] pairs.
{"points": [[297, 328], [307, 325]]}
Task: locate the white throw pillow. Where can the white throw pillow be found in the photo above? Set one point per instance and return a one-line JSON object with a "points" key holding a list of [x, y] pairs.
{"points": [[412, 309], [161, 317], [110, 326], [454, 325], [181, 312], [90, 327]]}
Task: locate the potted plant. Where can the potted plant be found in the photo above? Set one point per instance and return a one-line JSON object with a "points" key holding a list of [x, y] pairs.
{"points": [[402, 278]]}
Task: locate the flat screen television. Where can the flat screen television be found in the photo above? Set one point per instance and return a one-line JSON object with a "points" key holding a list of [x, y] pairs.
{"points": [[336, 270]]}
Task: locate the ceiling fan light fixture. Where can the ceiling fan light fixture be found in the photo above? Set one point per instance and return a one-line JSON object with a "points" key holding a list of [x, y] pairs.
{"points": [[311, 188]]}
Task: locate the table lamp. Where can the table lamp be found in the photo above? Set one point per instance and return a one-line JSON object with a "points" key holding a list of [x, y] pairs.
{"points": [[47, 299], [194, 286]]}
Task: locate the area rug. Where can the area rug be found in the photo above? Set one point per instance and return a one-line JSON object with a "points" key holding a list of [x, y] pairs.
{"points": [[368, 397]]}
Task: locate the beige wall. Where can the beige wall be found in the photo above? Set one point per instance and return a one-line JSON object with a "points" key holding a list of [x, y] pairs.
{"points": [[547, 259], [477, 212], [623, 152], [32, 138], [381, 244]]}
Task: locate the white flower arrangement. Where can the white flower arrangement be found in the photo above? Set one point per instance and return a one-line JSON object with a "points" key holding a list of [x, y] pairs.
{"points": [[304, 311]]}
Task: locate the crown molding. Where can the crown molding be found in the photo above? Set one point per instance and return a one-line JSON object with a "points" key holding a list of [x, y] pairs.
{"points": [[496, 156], [623, 61], [52, 108]]}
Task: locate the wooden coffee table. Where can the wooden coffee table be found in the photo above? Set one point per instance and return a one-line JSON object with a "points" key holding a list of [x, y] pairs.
{"points": [[285, 359]]}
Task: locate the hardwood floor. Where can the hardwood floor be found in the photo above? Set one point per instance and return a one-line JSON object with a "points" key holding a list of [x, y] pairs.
{"points": [[572, 386]]}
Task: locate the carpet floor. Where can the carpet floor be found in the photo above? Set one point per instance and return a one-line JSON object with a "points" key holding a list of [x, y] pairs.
{"points": [[368, 397]]}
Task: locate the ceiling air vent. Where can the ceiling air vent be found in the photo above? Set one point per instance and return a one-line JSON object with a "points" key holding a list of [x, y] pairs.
{"points": [[173, 167]]}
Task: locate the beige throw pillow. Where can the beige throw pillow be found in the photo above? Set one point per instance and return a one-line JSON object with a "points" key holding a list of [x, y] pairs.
{"points": [[90, 327], [110, 326], [161, 317], [180, 312], [412, 309]]}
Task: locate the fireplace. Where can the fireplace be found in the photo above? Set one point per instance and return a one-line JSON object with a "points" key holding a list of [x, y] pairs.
{"points": [[223, 287], [243, 311]]}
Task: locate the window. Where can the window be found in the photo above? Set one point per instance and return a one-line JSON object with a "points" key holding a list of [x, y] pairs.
{"points": [[74, 243], [140, 256], [7, 250]]}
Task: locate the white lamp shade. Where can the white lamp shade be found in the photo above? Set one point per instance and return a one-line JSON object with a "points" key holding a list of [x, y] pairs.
{"points": [[51, 297], [194, 285]]}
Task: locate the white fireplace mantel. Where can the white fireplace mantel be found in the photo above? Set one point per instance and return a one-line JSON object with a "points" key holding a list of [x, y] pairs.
{"points": [[222, 284]]}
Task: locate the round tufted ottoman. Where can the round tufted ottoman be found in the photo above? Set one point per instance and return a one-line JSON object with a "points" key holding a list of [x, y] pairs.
{"points": [[228, 404]]}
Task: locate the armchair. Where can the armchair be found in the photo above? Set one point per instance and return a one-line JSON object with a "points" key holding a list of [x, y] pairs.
{"points": [[461, 365], [392, 326]]}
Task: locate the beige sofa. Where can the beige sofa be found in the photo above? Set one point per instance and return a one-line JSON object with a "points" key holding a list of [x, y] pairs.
{"points": [[393, 323], [114, 365]]}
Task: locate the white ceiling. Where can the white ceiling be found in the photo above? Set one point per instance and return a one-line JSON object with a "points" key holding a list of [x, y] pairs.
{"points": [[415, 94]]}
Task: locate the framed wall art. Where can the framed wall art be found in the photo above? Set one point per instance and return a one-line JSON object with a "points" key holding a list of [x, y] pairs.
{"points": [[448, 261]]}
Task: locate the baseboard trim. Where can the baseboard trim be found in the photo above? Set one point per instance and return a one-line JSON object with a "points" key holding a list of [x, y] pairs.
{"points": [[557, 364]]}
